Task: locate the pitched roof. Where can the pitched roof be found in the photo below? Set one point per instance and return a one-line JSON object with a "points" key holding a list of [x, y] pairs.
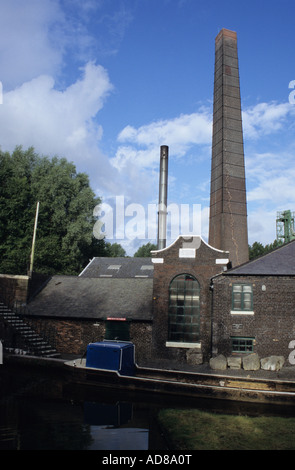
{"points": [[119, 268], [280, 262], [94, 298]]}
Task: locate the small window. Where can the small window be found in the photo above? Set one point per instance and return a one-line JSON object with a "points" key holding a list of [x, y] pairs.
{"points": [[147, 267], [242, 297], [242, 345]]}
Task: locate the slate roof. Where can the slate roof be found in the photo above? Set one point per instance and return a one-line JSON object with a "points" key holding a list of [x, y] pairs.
{"points": [[119, 268], [94, 298], [280, 262]]}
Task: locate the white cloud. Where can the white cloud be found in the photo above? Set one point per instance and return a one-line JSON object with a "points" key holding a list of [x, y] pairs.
{"points": [[266, 118], [272, 179], [30, 39], [278, 189], [36, 112], [140, 148], [138, 153], [180, 132], [188, 130], [59, 122]]}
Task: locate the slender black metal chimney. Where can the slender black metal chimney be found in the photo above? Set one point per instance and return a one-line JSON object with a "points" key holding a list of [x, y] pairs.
{"points": [[163, 190]]}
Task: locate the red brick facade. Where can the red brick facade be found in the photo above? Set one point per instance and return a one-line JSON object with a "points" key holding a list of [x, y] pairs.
{"points": [[71, 337], [190, 255], [268, 322], [271, 323]]}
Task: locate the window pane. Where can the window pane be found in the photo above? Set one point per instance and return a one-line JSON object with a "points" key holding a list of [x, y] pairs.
{"points": [[247, 302], [187, 319], [180, 285], [173, 299], [247, 289], [196, 301], [249, 345], [237, 288], [237, 301], [188, 300]]}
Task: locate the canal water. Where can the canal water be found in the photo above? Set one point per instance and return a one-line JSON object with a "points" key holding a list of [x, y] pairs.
{"points": [[38, 424], [42, 412]]}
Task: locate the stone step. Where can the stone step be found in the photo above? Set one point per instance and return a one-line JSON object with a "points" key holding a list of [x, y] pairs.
{"points": [[35, 343]]}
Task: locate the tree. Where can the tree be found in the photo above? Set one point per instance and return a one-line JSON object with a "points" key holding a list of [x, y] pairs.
{"points": [[257, 249], [64, 236], [115, 250], [145, 250]]}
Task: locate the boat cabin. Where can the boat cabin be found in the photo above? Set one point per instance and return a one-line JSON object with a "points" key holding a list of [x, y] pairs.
{"points": [[111, 355]]}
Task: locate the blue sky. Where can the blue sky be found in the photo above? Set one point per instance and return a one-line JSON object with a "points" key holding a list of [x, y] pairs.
{"points": [[104, 83]]}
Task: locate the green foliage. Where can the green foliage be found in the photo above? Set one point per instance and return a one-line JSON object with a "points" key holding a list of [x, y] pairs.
{"points": [[64, 241], [145, 250], [114, 250], [257, 249]]}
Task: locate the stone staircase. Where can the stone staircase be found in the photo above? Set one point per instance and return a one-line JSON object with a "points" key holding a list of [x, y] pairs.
{"points": [[24, 337]]}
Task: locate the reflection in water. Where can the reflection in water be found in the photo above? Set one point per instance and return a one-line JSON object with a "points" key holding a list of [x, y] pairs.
{"points": [[107, 427], [39, 411], [38, 425], [38, 414], [112, 415], [118, 438]]}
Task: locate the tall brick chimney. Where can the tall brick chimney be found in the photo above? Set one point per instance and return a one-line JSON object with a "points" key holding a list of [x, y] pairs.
{"points": [[228, 207]]}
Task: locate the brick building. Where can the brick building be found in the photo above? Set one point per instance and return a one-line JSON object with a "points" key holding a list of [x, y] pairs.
{"points": [[254, 306], [162, 304], [183, 305], [111, 299], [182, 300]]}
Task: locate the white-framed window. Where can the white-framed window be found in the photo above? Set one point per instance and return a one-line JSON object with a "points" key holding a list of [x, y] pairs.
{"points": [[242, 299]]}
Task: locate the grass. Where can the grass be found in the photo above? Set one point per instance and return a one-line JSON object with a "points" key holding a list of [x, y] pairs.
{"points": [[192, 429]]}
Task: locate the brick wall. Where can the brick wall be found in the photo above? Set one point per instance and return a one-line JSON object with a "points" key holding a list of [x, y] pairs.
{"points": [[72, 336], [14, 288], [273, 322], [141, 336], [68, 336], [17, 289], [203, 266]]}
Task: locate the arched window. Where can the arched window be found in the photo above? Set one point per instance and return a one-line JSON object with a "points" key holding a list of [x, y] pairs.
{"points": [[184, 309]]}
